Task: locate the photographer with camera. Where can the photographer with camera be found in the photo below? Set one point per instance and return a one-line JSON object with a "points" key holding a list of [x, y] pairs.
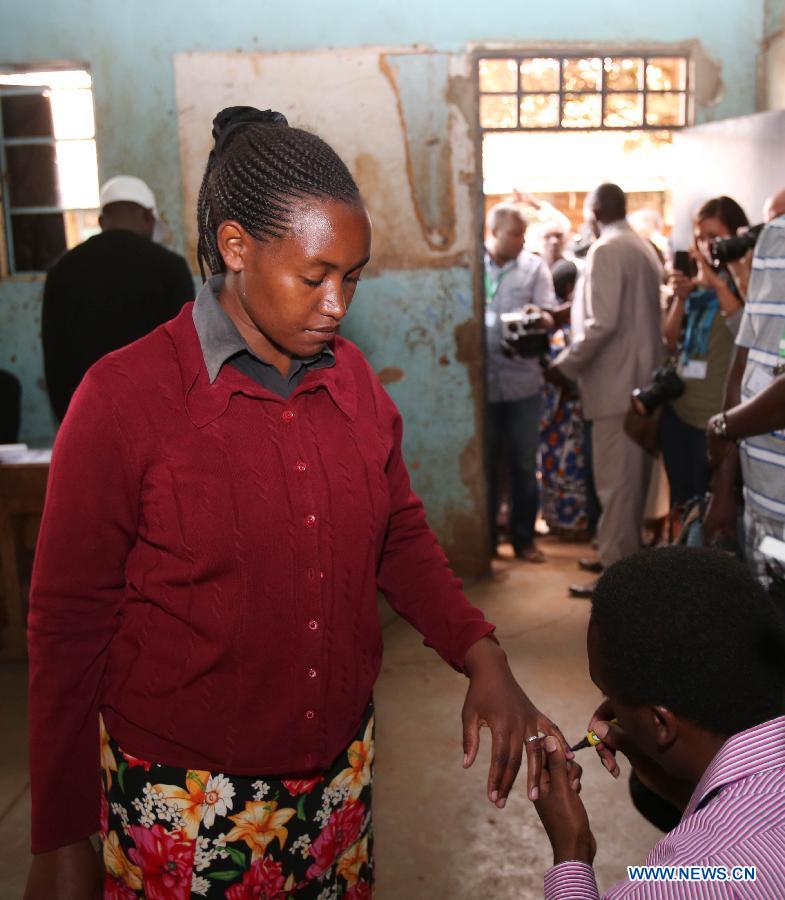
{"points": [[616, 346], [700, 326], [759, 359], [518, 291]]}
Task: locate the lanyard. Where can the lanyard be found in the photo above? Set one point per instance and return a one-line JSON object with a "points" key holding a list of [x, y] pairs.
{"points": [[492, 287], [704, 307]]}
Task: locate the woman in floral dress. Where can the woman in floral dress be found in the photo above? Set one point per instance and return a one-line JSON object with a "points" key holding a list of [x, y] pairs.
{"points": [[217, 836], [226, 496], [567, 487]]}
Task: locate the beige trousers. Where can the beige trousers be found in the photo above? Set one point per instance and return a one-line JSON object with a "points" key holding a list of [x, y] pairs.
{"points": [[621, 476]]}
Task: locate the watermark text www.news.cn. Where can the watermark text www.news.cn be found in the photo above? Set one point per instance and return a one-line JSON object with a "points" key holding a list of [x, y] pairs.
{"points": [[692, 873]]}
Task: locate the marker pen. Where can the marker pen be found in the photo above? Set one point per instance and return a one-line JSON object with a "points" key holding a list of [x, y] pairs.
{"points": [[591, 739]]}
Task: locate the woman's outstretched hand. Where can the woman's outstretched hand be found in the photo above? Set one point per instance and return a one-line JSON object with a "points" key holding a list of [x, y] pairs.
{"points": [[495, 699]]}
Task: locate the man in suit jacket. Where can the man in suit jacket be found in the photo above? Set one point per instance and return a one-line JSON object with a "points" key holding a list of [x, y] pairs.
{"points": [[616, 347]]}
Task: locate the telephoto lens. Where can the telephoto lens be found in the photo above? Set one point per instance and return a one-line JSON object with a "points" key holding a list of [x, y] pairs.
{"points": [[728, 250]]}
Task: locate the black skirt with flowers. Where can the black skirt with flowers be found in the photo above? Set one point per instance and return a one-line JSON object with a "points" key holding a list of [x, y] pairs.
{"points": [[170, 833]]}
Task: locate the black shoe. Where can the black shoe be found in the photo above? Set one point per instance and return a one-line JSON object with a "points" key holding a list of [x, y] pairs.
{"points": [[530, 554], [591, 565], [583, 591]]}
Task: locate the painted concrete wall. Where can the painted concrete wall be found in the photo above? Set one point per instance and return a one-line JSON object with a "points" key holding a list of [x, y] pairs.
{"points": [[129, 47], [773, 87], [413, 312]]}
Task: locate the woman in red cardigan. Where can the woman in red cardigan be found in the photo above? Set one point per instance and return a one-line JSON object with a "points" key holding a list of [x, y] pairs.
{"points": [[225, 497]]}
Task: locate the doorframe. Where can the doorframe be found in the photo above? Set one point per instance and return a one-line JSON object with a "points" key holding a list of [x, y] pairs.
{"points": [[691, 49]]}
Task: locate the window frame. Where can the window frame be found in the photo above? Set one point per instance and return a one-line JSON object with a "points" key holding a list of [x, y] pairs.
{"points": [[565, 54], [8, 269]]}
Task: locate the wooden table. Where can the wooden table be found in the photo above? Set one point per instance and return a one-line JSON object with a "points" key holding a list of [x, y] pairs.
{"points": [[22, 491]]}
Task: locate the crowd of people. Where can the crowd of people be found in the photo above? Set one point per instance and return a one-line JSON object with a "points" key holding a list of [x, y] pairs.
{"points": [[203, 653], [649, 350]]}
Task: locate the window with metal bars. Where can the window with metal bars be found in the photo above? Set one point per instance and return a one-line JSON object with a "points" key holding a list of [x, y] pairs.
{"points": [[585, 93], [48, 165]]}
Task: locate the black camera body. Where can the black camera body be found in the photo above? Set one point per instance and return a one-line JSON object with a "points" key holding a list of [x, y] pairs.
{"points": [[523, 334], [666, 385], [727, 250]]}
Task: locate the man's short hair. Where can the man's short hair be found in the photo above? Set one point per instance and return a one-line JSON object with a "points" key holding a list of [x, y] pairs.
{"points": [[565, 275], [498, 213], [609, 202], [692, 630]]}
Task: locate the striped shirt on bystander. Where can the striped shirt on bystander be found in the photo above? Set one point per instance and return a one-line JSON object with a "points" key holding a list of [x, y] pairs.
{"points": [[762, 332]]}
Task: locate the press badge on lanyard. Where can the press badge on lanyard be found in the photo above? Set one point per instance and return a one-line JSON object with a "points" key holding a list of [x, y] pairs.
{"points": [[779, 369], [695, 369], [759, 380]]}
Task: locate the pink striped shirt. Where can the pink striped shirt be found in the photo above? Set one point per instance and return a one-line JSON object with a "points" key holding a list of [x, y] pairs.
{"points": [[735, 819]]}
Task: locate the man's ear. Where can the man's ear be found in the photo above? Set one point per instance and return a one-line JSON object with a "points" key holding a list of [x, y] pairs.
{"points": [[232, 244], [149, 222], [666, 725]]}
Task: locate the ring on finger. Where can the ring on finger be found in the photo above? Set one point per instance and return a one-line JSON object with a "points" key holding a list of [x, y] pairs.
{"points": [[532, 737]]}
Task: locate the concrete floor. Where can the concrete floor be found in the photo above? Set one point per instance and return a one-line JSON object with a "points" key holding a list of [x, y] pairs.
{"points": [[438, 837]]}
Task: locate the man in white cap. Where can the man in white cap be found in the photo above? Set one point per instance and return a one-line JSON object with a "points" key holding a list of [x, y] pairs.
{"points": [[111, 290]]}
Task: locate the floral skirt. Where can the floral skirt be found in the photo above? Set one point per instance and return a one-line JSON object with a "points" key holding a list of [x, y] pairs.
{"points": [[169, 833]]}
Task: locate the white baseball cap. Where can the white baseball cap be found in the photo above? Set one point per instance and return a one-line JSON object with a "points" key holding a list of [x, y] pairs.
{"points": [[129, 189]]}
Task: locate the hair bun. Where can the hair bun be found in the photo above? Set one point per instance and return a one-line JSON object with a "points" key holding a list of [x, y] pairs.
{"points": [[233, 117]]}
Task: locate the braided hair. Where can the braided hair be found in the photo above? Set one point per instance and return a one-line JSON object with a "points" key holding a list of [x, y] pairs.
{"points": [[257, 170]]}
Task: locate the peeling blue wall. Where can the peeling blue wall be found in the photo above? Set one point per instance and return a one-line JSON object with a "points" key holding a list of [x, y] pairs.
{"points": [[408, 326], [774, 17], [421, 84], [129, 46], [405, 319]]}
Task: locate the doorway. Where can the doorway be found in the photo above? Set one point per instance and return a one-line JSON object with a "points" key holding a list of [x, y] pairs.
{"points": [[552, 129]]}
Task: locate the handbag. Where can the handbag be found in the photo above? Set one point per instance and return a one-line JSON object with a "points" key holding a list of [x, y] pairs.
{"points": [[644, 430]]}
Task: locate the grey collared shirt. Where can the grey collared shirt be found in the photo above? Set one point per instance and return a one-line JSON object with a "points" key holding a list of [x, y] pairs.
{"points": [[222, 343]]}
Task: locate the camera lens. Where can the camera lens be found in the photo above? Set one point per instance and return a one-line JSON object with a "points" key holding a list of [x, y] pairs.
{"points": [[728, 250]]}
